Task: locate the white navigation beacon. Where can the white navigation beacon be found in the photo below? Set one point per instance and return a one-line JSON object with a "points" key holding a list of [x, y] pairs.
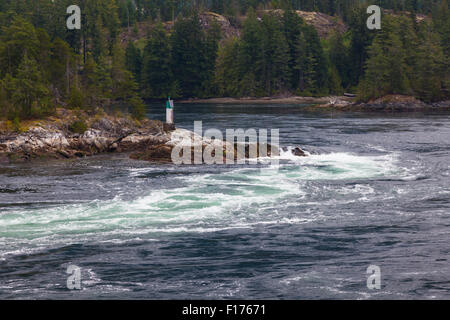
{"points": [[169, 111]]}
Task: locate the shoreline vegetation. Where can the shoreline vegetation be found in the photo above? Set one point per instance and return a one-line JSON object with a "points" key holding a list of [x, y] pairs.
{"points": [[281, 52], [127, 52], [69, 134], [77, 134], [266, 100], [65, 136], [343, 103]]}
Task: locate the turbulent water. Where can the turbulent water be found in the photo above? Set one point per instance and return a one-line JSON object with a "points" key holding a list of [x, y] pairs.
{"points": [[375, 191]]}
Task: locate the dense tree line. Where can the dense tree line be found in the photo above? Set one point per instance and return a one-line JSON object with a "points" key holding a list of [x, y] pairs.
{"points": [[44, 65], [406, 58], [274, 55], [179, 65], [280, 53]]}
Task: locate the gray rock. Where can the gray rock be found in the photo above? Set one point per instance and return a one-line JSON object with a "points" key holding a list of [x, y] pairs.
{"points": [[298, 152]]}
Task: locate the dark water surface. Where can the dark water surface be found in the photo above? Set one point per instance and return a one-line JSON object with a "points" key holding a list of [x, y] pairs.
{"points": [[375, 191]]}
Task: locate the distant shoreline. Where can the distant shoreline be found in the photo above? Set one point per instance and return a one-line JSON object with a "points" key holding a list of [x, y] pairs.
{"points": [[269, 100], [336, 103]]}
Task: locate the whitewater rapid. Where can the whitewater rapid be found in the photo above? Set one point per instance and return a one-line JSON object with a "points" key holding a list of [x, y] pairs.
{"points": [[240, 197]]}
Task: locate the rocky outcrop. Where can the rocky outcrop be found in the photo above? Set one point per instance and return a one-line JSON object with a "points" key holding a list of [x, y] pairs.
{"points": [[396, 103], [337, 102], [147, 140], [52, 138], [400, 103], [323, 23], [192, 148], [299, 152], [207, 19]]}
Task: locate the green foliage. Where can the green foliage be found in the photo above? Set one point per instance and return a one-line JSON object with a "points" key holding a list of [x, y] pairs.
{"points": [[133, 60], [76, 99], [274, 55], [16, 125], [191, 55], [30, 94], [338, 52], [403, 62], [227, 74], [137, 108], [335, 82], [157, 75], [432, 81], [43, 66], [16, 40], [78, 126], [361, 38]]}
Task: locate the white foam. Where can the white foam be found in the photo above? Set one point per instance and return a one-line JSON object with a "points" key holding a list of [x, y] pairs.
{"points": [[240, 198]]}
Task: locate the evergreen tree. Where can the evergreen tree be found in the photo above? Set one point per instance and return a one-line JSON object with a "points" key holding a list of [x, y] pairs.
{"points": [[90, 79], [188, 59], [62, 67], [211, 47], [133, 61], [30, 95], [339, 58], [275, 59], [300, 62], [123, 84], [316, 61], [157, 79], [227, 75], [431, 70], [361, 38], [335, 82], [18, 39], [386, 70], [250, 56], [293, 24]]}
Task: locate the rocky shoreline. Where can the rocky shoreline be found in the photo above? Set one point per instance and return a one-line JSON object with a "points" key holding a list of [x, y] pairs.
{"points": [[148, 140], [58, 138], [340, 103], [53, 138], [396, 103], [270, 100]]}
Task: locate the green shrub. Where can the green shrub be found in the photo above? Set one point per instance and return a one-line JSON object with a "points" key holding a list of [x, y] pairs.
{"points": [[137, 108], [16, 125], [76, 99], [78, 126]]}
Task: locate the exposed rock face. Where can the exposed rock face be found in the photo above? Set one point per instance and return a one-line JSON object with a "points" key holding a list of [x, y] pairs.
{"points": [[323, 23], [154, 153], [337, 102], [298, 152], [227, 30], [53, 139], [397, 103], [401, 103], [147, 140], [191, 148], [206, 20]]}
